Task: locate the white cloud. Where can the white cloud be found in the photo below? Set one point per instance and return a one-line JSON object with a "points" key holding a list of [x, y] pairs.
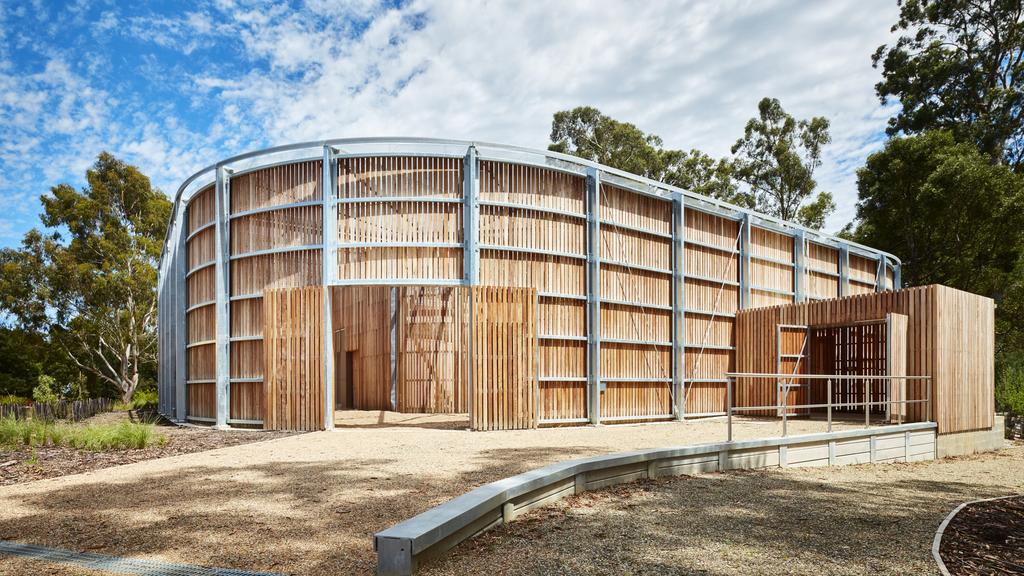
{"points": [[689, 72]]}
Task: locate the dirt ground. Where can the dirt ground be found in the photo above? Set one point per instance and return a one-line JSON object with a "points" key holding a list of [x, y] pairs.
{"points": [[310, 504], [867, 519], [27, 464]]}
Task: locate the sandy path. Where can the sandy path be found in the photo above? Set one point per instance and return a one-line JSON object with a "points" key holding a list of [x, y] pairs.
{"points": [[305, 504]]}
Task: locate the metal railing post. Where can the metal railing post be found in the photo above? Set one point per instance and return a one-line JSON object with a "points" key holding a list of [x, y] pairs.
{"points": [[785, 411], [728, 406], [828, 400], [867, 403]]}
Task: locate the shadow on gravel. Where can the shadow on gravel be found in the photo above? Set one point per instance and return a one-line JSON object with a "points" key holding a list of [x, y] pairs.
{"points": [[736, 523], [295, 518]]}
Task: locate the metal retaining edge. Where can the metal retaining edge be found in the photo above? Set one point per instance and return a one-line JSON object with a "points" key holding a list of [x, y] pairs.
{"points": [[403, 546]]}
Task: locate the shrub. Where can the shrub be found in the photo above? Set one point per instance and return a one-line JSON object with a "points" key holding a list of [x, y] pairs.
{"points": [[43, 392], [144, 399], [1010, 389], [12, 400], [121, 436]]}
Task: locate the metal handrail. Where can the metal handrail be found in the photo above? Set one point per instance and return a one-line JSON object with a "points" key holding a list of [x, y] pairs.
{"points": [[783, 406]]}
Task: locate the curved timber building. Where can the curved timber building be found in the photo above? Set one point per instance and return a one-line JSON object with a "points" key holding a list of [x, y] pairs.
{"points": [[521, 286]]}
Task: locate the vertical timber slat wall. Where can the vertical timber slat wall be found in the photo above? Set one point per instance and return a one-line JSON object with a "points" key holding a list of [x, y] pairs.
{"points": [[293, 375], [949, 337], [664, 297], [504, 384]]}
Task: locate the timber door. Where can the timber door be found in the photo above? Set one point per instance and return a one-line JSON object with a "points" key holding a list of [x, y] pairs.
{"points": [[792, 346]]}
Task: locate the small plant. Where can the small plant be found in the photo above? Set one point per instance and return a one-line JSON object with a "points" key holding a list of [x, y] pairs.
{"points": [[1010, 390], [122, 436], [43, 392], [12, 400], [144, 399]]}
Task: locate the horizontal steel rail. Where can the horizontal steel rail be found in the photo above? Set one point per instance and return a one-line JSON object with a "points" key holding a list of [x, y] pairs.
{"points": [[709, 246], [413, 199], [398, 244], [539, 251], [274, 208], [700, 278], [561, 337], [757, 288], [638, 229], [278, 250], [534, 208], [195, 307], [563, 379], [199, 230], [771, 260], [635, 304], [202, 266], [621, 264]]}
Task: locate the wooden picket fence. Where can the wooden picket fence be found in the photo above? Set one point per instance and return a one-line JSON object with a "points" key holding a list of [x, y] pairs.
{"points": [[74, 410]]}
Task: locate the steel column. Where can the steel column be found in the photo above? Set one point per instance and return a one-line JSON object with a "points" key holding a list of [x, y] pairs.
{"points": [[897, 276], [799, 270], [222, 200], [180, 322], [594, 383], [678, 306], [844, 270], [471, 218], [745, 262], [328, 263]]}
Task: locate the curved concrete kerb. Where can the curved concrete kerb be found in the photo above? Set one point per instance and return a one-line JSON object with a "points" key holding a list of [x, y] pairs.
{"points": [[401, 548], [937, 541]]}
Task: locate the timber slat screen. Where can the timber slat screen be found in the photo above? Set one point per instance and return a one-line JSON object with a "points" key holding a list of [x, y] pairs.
{"points": [[294, 384], [637, 285], [504, 352], [931, 331]]}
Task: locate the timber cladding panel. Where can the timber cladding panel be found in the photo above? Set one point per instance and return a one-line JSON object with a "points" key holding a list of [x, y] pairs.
{"points": [[949, 336], [293, 383], [504, 358]]}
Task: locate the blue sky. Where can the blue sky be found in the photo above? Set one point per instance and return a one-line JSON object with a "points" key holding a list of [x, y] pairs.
{"points": [[172, 87]]}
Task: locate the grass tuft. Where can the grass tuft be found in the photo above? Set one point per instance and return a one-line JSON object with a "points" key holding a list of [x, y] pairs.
{"points": [[96, 437]]}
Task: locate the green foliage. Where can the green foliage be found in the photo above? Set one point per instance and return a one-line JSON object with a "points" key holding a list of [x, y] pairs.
{"points": [[89, 282], [959, 66], [1010, 388], [43, 392], [95, 437], [777, 157], [12, 400], [953, 218], [586, 132], [145, 399]]}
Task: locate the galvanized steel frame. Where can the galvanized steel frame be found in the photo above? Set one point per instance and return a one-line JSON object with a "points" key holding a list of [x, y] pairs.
{"points": [[329, 151]]}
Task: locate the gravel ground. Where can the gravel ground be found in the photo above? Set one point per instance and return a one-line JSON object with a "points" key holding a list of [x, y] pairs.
{"points": [[310, 504], [867, 519], [25, 465]]}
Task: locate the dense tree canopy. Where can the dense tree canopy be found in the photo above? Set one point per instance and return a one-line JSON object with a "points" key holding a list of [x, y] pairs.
{"points": [[773, 172], [959, 66], [951, 215], [89, 282], [777, 157]]}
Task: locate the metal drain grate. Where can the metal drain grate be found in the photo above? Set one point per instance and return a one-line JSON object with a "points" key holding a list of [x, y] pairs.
{"points": [[118, 565]]}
